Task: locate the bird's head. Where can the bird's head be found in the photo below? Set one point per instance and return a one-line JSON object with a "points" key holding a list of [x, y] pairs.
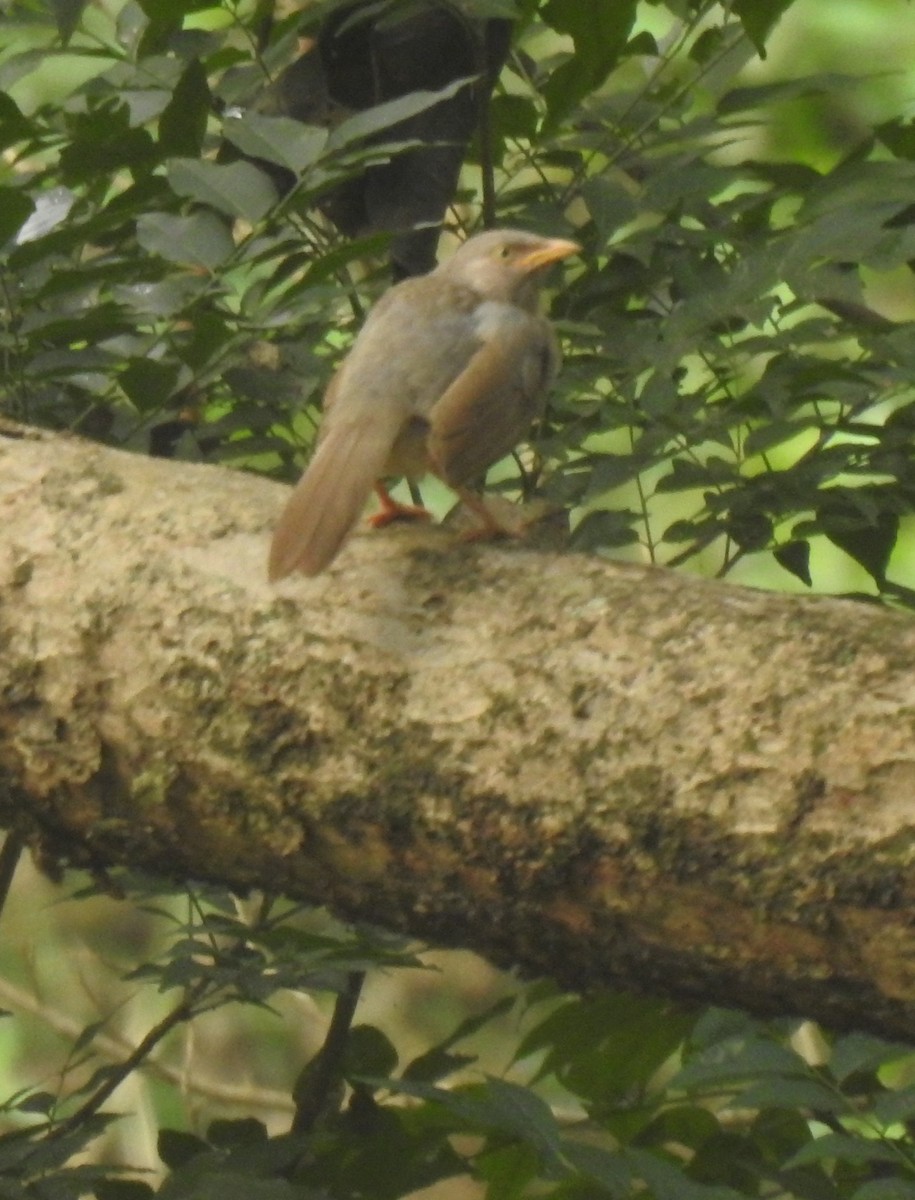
{"points": [[507, 264]]}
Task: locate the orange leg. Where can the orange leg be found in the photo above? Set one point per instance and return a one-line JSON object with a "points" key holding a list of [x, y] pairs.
{"points": [[392, 511]]}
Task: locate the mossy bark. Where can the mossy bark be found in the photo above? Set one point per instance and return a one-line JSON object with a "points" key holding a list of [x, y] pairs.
{"points": [[608, 774]]}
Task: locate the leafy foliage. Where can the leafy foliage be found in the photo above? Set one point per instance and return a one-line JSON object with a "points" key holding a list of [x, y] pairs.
{"points": [[606, 1096], [730, 397]]}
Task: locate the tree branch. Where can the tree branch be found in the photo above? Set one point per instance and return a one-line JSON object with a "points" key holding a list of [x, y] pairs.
{"points": [[608, 774], [322, 1077]]}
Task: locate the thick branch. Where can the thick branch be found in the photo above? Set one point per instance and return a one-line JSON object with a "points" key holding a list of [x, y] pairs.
{"points": [[605, 773]]}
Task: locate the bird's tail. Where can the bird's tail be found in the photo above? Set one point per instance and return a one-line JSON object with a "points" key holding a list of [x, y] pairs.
{"points": [[329, 498]]}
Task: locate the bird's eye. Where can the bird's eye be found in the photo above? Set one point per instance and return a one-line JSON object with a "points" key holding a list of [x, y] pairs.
{"points": [[505, 252]]}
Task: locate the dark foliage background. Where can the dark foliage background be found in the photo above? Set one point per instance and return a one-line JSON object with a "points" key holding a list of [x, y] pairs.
{"points": [[737, 396], [729, 394]]}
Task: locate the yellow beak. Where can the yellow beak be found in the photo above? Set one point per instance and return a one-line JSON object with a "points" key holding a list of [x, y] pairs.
{"points": [[552, 251]]}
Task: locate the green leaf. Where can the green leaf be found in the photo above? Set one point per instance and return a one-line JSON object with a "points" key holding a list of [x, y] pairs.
{"points": [[51, 209], [518, 1110], [148, 383], [183, 121], [869, 537], [19, 66], [436, 1064], [573, 1027], [758, 17], [477, 1021], [507, 1170], [857, 1052], [779, 1092], [609, 471], [795, 557], [201, 239], [643, 43], [210, 333], [48, 1153], [382, 116], [496, 8], [67, 14], [601, 1047], [709, 43], [514, 116], [14, 126], [238, 189], [177, 1148], [886, 1189], [865, 188], [161, 299], [772, 433], [686, 474], [86, 1037], [667, 1180], [103, 141], [600, 30], [610, 204], [15, 209], [764, 95], [739, 1059], [898, 136], [280, 140], [843, 1147], [605, 528], [170, 11], [687, 1125], [493, 1105], [230, 1135], [123, 1189], [219, 1183], [890, 1107], [369, 1052], [38, 1102], [605, 1167], [327, 265]]}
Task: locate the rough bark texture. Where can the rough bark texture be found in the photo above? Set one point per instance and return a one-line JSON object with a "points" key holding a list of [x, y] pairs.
{"points": [[603, 773]]}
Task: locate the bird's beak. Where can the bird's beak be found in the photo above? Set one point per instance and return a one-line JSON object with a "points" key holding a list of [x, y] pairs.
{"points": [[551, 251]]}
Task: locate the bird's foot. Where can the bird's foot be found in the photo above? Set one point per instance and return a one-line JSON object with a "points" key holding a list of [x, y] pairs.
{"points": [[499, 518], [399, 512], [392, 510]]}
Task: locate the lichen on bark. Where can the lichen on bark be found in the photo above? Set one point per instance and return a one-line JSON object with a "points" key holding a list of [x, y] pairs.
{"points": [[600, 772]]}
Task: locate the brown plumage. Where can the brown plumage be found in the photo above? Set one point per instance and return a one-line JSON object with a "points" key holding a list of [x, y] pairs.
{"points": [[446, 375]]}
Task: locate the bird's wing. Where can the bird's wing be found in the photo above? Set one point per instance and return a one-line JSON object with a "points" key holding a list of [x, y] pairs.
{"points": [[492, 403], [405, 354]]}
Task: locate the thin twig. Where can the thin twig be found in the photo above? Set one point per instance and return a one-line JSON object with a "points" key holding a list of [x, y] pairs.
{"points": [[487, 165], [179, 1014], [114, 1048]]}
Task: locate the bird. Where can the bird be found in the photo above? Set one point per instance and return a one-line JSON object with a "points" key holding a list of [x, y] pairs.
{"points": [[446, 376]]}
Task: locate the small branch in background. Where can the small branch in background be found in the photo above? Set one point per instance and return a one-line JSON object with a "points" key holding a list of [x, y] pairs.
{"points": [[320, 1079], [487, 168], [12, 848], [179, 1014], [114, 1048], [262, 22]]}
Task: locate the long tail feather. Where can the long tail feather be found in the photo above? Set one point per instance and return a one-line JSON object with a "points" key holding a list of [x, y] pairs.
{"points": [[329, 498]]}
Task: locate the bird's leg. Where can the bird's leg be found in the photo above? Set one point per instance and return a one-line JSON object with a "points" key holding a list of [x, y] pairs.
{"points": [[490, 526], [392, 511], [500, 517]]}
